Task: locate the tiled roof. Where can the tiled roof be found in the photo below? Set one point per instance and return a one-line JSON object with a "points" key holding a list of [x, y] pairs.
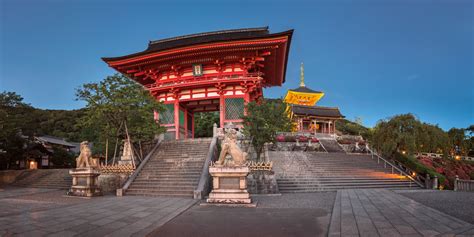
{"points": [[55, 140], [304, 89], [317, 111]]}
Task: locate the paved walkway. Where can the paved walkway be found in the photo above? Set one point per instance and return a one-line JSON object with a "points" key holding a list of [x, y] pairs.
{"points": [[381, 212], [299, 214], [46, 212]]}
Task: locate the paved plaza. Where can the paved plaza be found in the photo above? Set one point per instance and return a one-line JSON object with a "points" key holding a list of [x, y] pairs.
{"points": [[46, 212], [380, 212], [370, 212]]}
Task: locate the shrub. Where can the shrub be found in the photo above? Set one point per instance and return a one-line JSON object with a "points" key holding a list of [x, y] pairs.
{"points": [[290, 139], [302, 138], [280, 138], [412, 163]]}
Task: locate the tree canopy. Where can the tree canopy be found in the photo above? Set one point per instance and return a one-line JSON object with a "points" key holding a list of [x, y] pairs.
{"points": [[204, 123], [114, 103], [263, 121], [406, 133]]}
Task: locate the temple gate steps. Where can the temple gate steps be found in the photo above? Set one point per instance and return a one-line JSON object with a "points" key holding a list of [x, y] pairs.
{"points": [[45, 178], [174, 170], [312, 172], [331, 145]]}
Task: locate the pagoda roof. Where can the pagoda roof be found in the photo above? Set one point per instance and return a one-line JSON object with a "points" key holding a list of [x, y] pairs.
{"points": [[331, 112], [304, 89]]}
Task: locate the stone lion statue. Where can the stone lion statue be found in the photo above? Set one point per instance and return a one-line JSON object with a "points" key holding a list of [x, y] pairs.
{"points": [[84, 158], [230, 146]]}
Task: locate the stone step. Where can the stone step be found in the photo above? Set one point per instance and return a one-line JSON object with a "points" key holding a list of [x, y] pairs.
{"points": [[151, 192], [325, 189], [296, 184]]}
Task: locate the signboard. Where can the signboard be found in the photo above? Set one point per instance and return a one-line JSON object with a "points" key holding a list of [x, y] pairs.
{"points": [[197, 70]]}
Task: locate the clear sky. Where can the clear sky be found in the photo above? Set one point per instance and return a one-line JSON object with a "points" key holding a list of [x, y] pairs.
{"points": [[373, 59]]}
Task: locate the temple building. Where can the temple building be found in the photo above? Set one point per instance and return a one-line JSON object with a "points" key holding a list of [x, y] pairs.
{"points": [[305, 114], [213, 71]]}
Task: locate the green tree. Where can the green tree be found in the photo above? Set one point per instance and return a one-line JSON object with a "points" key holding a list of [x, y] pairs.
{"points": [[459, 141], [62, 158], [204, 122], [352, 128], [397, 134], [263, 121], [12, 144], [113, 103]]}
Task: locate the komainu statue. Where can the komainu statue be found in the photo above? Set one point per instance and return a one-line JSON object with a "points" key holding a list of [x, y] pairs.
{"points": [[230, 146], [84, 159]]}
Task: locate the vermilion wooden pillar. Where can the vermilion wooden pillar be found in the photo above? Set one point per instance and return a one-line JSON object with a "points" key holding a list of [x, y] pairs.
{"points": [[221, 110], [246, 101], [176, 118], [185, 123], [192, 126]]}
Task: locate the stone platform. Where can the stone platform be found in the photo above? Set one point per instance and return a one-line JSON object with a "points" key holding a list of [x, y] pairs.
{"points": [[229, 185], [85, 182]]}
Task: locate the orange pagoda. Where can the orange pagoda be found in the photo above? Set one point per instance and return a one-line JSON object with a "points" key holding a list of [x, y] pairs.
{"points": [[213, 71], [305, 114]]}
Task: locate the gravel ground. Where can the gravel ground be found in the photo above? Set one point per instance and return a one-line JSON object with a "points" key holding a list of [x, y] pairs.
{"points": [[457, 204]]}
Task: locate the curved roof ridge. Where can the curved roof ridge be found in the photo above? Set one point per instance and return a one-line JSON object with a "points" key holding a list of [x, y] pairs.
{"points": [[316, 106], [304, 89], [265, 28]]}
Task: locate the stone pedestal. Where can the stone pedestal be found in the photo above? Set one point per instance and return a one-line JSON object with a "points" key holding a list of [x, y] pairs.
{"points": [[229, 185], [85, 182]]}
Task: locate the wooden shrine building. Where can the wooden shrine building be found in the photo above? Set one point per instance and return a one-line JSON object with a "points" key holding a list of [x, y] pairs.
{"points": [[213, 71], [306, 116]]}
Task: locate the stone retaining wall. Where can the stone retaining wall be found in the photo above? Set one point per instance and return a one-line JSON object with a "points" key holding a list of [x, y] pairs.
{"points": [[262, 182], [9, 176], [109, 183]]}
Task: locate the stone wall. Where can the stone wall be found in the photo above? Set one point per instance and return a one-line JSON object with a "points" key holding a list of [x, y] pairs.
{"points": [[109, 183], [9, 176], [296, 146], [262, 182]]}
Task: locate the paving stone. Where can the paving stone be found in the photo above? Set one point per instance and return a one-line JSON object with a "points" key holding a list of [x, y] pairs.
{"points": [[63, 233], [380, 212]]}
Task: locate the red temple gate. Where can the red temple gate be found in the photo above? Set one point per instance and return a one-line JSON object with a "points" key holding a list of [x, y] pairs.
{"points": [[214, 71]]}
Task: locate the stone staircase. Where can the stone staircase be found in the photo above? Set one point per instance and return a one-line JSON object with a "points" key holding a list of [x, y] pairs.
{"points": [[174, 169], [45, 178], [310, 172], [331, 145]]}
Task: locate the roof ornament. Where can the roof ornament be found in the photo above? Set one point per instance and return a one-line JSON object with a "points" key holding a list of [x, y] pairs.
{"points": [[302, 76]]}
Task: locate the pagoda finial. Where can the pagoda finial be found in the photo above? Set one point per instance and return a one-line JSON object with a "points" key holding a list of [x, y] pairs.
{"points": [[302, 76]]}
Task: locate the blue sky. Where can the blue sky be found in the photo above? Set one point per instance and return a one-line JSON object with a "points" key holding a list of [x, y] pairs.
{"points": [[373, 59]]}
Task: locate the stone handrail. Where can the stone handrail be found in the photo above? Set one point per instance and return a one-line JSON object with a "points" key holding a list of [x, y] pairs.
{"points": [[132, 177], [395, 167], [203, 187], [463, 185]]}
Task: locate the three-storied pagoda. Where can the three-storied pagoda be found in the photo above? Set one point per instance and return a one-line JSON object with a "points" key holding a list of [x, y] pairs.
{"points": [[306, 116], [214, 71]]}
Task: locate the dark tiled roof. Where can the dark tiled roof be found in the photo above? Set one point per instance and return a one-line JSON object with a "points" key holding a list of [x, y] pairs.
{"points": [[305, 89], [206, 37], [200, 38], [317, 111], [55, 140]]}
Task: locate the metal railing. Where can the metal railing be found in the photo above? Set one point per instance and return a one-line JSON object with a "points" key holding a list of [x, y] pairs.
{"points": [[398, 167], [204, 186], [463, 185]]}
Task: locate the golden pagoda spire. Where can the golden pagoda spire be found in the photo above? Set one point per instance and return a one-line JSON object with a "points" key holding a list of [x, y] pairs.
{"points": [[302, 76]]}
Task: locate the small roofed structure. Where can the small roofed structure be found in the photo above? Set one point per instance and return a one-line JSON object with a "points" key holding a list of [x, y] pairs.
{"points": [[306, 116]]}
